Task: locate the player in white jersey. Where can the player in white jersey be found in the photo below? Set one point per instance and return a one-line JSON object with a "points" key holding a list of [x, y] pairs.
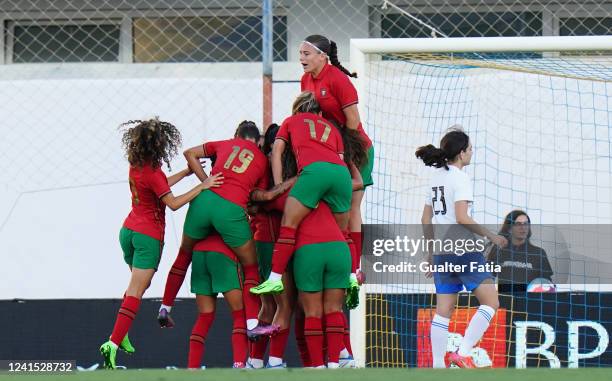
{"points": [[449, 203]]}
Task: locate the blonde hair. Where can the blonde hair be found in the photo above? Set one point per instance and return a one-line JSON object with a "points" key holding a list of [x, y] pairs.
{"points": [[305, 102]]}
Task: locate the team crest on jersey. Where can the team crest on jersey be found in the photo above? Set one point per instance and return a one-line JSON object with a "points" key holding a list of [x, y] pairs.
{"points": [[323, 92]]}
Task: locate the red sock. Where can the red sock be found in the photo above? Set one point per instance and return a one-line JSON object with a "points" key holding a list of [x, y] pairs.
{"points": [[358, 247], [176, 276], [252, 302], [278, 343], [347, 335], [258, 348], [283, 249], [334, 332], [301, 340], [240, 343], [197, 338], [313, 331], [125, 317], [353, 250]]}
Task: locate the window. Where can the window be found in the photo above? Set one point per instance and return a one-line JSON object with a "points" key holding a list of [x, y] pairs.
{"points": [[70, 42], [468, 24], [206, 39], [585, 26]]}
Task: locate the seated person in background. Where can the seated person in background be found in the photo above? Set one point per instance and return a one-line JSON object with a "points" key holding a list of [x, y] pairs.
{"points": [[521, 262]]}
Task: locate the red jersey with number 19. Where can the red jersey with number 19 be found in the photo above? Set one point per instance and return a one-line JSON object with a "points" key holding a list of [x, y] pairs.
{"points": [[312, 139], [148, 216], [243, 166]]}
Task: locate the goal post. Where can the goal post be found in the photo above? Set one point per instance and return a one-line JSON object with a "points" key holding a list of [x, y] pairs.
{"points": [[539, 110]]}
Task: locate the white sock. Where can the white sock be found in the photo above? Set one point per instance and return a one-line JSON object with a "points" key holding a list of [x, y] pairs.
{"points": [[275, 277], [353, 277], [252, 323], [275, 361], [477, 327], [333, 365], [439, 340], [344, 353], [168, 308], [113, 344], [256, 363]]}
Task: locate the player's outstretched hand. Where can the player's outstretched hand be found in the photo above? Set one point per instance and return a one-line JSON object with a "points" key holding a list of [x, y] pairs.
{"points": [[214, 181]]}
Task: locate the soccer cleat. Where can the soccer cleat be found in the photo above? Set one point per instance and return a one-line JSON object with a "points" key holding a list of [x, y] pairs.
{"points": [[461, 361], [109, 352], [164, 319], [262, 330], [352, 297], [251, 365], [126, 345], [347, 362], [269, 287], [239, 365], [279, 366]]}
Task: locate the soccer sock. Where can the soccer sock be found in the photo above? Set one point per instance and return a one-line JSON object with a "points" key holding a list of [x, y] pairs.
{"points": [[334, 333], [347, 337], [252, 302], [357, 236], [125, 317], [258, 348], [477, 327], [240, 343], [283, 249], [352, 249], [176, 276], [197, 338], [313, 331], [278, 343], [439, 340], [301, 340]]}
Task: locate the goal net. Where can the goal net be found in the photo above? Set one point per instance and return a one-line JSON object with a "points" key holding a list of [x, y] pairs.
{"points": [[538, 112]]}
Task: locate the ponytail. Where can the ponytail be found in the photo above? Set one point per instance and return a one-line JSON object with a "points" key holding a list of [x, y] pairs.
{"points": [[432, 156]]}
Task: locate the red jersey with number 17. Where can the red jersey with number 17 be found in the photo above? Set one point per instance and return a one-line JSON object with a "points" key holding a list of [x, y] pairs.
{"points": [[244, 168], [312, 138], [148, 216]]}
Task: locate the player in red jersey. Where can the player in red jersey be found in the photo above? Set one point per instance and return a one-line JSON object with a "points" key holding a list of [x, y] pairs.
{"points": [[323, 175], [216, 270], [329, 81], [147, 145], [244, 168]]}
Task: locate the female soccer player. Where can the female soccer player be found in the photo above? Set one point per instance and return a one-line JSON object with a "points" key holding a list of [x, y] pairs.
{"points": [[337, 97], [323, 175], [147, 145], [215, 269], [448, 201]]}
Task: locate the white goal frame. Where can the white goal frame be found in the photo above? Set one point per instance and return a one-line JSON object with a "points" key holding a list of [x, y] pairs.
{"points": [[360, 49]]}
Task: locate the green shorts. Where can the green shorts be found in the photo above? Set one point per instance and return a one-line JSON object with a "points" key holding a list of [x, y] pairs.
{"points": [[210, 211], [367, 168], [322, 266], [212, 273], [140, 250], [324, 181], [264, 257]]}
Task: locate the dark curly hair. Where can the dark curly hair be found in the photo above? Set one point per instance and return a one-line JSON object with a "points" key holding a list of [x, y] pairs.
{"points": [[150, 142]]}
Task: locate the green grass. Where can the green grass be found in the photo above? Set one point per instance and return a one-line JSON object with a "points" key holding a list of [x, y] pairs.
{"points": [[590, 374]]}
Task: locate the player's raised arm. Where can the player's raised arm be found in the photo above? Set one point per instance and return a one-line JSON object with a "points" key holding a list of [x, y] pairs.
{"points": [[260, 195], [193, 156], [172, 180]]}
